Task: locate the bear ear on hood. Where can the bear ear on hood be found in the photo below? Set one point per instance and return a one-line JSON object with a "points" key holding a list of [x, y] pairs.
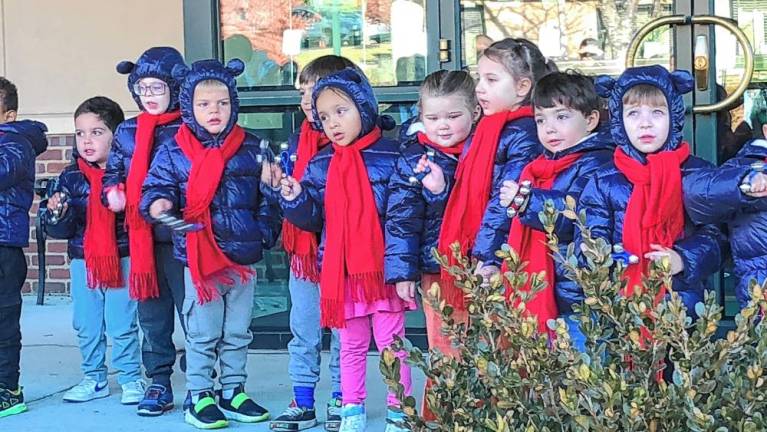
{"points": [[386, 122], [179, 72], [235, 66], [683, 81], [125, 67], [604, 85]]}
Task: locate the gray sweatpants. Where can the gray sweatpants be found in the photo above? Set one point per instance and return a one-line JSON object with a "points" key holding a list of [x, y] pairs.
{"points": [[219, 329]]}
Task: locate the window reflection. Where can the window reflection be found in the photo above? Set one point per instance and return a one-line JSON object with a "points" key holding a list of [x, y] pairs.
{"points": [[275, 38]]}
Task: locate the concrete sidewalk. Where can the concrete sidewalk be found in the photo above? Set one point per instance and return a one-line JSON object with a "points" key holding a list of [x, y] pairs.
{"points": [[50, 365]]}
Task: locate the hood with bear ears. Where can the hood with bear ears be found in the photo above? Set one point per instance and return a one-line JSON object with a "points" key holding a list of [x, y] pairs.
{"points": [[358, 88], [156, 62], [672, 84], [204, 70]]}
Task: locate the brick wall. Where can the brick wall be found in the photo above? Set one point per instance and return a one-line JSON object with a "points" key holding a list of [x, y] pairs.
{"points": [[49, 164]]}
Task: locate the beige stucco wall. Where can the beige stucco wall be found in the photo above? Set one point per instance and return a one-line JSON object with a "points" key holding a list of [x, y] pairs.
{"points": [[60, 52]]}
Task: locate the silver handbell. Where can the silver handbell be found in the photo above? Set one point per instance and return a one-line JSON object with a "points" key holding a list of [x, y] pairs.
{"points": [[413, 180], [518, 201], [511, 212], [263, 146], [277, 159], [59, 208], [524, 190], [284, 146], [293, 158]]}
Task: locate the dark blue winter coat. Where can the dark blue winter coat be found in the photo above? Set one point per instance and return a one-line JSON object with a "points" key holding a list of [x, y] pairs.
{"points": [[414, 216], [244, 223], [71, 225], [713, 196], [157, 62], [597, 151], [606, 196], [20, 142], [307, 211]]}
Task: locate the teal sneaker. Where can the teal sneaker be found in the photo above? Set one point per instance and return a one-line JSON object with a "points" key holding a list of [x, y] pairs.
{"points": [[11, 402]]}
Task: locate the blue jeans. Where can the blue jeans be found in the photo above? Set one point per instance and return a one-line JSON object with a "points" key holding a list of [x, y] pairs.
{"points": [[101, 312], [305, 347]]}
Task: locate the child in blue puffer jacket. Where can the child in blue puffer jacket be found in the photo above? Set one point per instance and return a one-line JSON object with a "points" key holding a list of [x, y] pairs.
{"points": [[157, 278], [567, 117], [211, 175], [343, 194], [20, 142], [637, 200], [98, 250], [715, 196]]}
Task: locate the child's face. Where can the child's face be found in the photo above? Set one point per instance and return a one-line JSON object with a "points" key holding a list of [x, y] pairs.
{"points": [[339, 116], [93, 138], [497, 90], [154, 95], [447, 119], [212, 107], [306, 90], [646, 125], [561, 127]]}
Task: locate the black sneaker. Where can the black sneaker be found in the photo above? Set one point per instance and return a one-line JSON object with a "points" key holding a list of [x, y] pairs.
{"points": [[205, 414], [241, 408], [333, 415], [11, 402], [294, 418], [157, 400]]}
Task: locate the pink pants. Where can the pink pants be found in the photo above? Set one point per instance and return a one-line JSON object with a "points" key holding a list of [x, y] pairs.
{"points": [[355, 342]]}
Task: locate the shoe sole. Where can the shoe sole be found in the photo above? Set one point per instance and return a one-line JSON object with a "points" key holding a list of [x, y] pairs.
{"points": [[147, 413], [332, 426], [292, 426], [16, 409], [94, 397], [240, 418], [189, 418], [132, 401]]}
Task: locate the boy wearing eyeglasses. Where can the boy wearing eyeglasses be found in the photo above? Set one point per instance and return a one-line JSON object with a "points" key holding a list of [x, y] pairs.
{"points": [[156, 278]]}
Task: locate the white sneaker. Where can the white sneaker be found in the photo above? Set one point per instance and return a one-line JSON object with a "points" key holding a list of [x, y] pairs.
{"points": [[353, 418], [133, 392], [87, 390]]}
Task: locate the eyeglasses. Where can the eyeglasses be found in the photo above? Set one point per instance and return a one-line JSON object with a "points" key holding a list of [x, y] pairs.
{"points": [[155, 89]]}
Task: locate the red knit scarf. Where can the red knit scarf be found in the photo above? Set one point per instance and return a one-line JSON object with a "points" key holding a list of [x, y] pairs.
{"points": [[143, 274], [455, 150], [207, 263], [467, 202], [102, 259], [531, 244], [301, 245], [354, 242], [654, 214]]}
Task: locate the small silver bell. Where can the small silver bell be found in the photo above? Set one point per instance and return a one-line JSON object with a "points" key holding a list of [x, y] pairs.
{"points": [[524, 190], [527, 183], [284, 146], [511, 212], [518, 200], [413, 180]]}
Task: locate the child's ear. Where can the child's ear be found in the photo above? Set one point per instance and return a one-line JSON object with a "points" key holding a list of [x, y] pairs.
{"points": [[125, 67], [235, 66], [592, 121], [524, 86], [9, 116], [477, 112], [604, 85], [683, 81], [764, 130], [179, 72]]}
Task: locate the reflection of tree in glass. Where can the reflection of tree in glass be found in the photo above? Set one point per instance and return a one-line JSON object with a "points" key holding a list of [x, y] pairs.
{"points": [[621, 22]]}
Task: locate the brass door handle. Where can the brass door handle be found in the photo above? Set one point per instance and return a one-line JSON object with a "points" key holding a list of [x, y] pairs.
{"points": [[727, 23]]}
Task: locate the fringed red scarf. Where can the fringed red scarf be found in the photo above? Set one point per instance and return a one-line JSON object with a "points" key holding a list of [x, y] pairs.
{"points": [[143, 274], [467, 202], [531, 244], [300, 245], [207, 263], [654, 214], [455, 150], [102, 259], [354, 242]]}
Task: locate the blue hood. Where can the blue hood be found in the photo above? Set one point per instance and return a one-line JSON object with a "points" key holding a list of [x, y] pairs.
{"points": [[156, 62], [204, 70], [359, 90], [33, 131], [672, 84]]}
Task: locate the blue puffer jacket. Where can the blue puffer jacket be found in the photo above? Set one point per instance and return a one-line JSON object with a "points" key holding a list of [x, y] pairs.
{"points": [[71, 226], [597, 151], [713, 196], [414, 216], [606, 196], [157, 62], [20, 142], [244, 223], [307, 211]]}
